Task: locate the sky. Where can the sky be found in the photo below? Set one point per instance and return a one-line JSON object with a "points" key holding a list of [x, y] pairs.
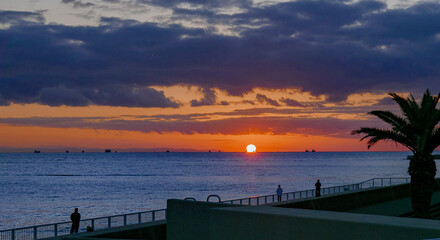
{"points": [[209, 75]]}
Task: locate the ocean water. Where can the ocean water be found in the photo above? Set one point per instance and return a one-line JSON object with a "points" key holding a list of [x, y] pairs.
{"points": [[46, 187]]}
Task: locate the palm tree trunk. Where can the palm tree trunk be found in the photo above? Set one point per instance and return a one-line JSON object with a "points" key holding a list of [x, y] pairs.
{"points": [[422, 171]]}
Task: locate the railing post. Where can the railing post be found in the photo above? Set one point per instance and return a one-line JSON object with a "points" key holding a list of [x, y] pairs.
{"points": [[55, 229], [249, 200], [93, 223], [35, 233], [125, 220], [241, 201], [13, 234], [258, 200], [153, 216], [139, 217], [109, 222]]}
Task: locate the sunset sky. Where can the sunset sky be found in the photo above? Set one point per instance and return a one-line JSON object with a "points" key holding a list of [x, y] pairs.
{"points": [[199, 75]]}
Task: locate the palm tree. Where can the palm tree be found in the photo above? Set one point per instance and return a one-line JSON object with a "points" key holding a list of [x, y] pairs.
{"points": [[418, 131]]}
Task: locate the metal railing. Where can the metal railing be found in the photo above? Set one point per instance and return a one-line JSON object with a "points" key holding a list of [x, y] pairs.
{"points": [[272, 198], [63, 228]]}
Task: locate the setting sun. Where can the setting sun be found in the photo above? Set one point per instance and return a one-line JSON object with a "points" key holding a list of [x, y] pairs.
{"points": [[251, 148]]}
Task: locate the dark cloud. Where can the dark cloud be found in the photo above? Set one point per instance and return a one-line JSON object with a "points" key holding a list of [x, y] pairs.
{"points": [[78, 3], [209, 98], [208, 4], [20, 18], [291, 102], [235, 113], [323, 47], [264, 99], [386, 101], [232, 126], [116, 95]]}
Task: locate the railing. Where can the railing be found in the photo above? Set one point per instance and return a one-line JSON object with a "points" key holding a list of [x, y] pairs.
{"points": [[63, 228], [371, 183]]}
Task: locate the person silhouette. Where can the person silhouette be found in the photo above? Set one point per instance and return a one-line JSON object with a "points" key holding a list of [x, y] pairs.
{"points": [[279, 193], [318, 188], [75, 217]]}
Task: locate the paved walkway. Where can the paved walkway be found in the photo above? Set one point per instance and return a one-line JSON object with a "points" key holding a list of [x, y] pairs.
{"points": [[393, 208]]}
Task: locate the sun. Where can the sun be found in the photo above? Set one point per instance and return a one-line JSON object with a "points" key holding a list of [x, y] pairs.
{"points": [[251, 148]]}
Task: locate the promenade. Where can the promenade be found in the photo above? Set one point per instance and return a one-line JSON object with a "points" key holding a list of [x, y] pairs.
{"points": [[338, 198]]}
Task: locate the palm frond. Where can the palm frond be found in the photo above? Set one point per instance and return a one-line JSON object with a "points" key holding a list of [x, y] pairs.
{"points": [[408, 106], [417, 129], [434, 141], [376, 135], [391, 118]]}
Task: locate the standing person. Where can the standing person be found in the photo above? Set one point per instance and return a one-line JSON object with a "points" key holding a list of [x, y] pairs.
{"points": [[318, 188], [75, 217], [279, 192]]}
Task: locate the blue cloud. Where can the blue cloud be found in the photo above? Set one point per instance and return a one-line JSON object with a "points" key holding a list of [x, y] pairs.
{"points": [[324, 47]]}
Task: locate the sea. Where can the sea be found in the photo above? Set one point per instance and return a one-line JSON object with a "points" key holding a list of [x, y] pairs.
{"points": [[42, 188]]}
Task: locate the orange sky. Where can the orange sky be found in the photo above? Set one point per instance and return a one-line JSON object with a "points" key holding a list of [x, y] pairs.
{"points": [[228, 128]]}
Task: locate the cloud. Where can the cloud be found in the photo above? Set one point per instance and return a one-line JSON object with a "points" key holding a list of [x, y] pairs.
{"points": [[291, 102], [231, 126], [264, 99], [209, 98], [115, 95], [321, 47], [202, 3], [78, 3], [386, 101], [20, 17]]}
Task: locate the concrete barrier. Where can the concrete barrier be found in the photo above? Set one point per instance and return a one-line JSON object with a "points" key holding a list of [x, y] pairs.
{"points": [[215, 221], [149, 231], [262, 222], [189, 219]]}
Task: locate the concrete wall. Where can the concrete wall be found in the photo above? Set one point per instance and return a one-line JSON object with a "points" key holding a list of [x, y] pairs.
{"points": [[262, 222], [214, 221], [189, 219], [148, 231]]}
